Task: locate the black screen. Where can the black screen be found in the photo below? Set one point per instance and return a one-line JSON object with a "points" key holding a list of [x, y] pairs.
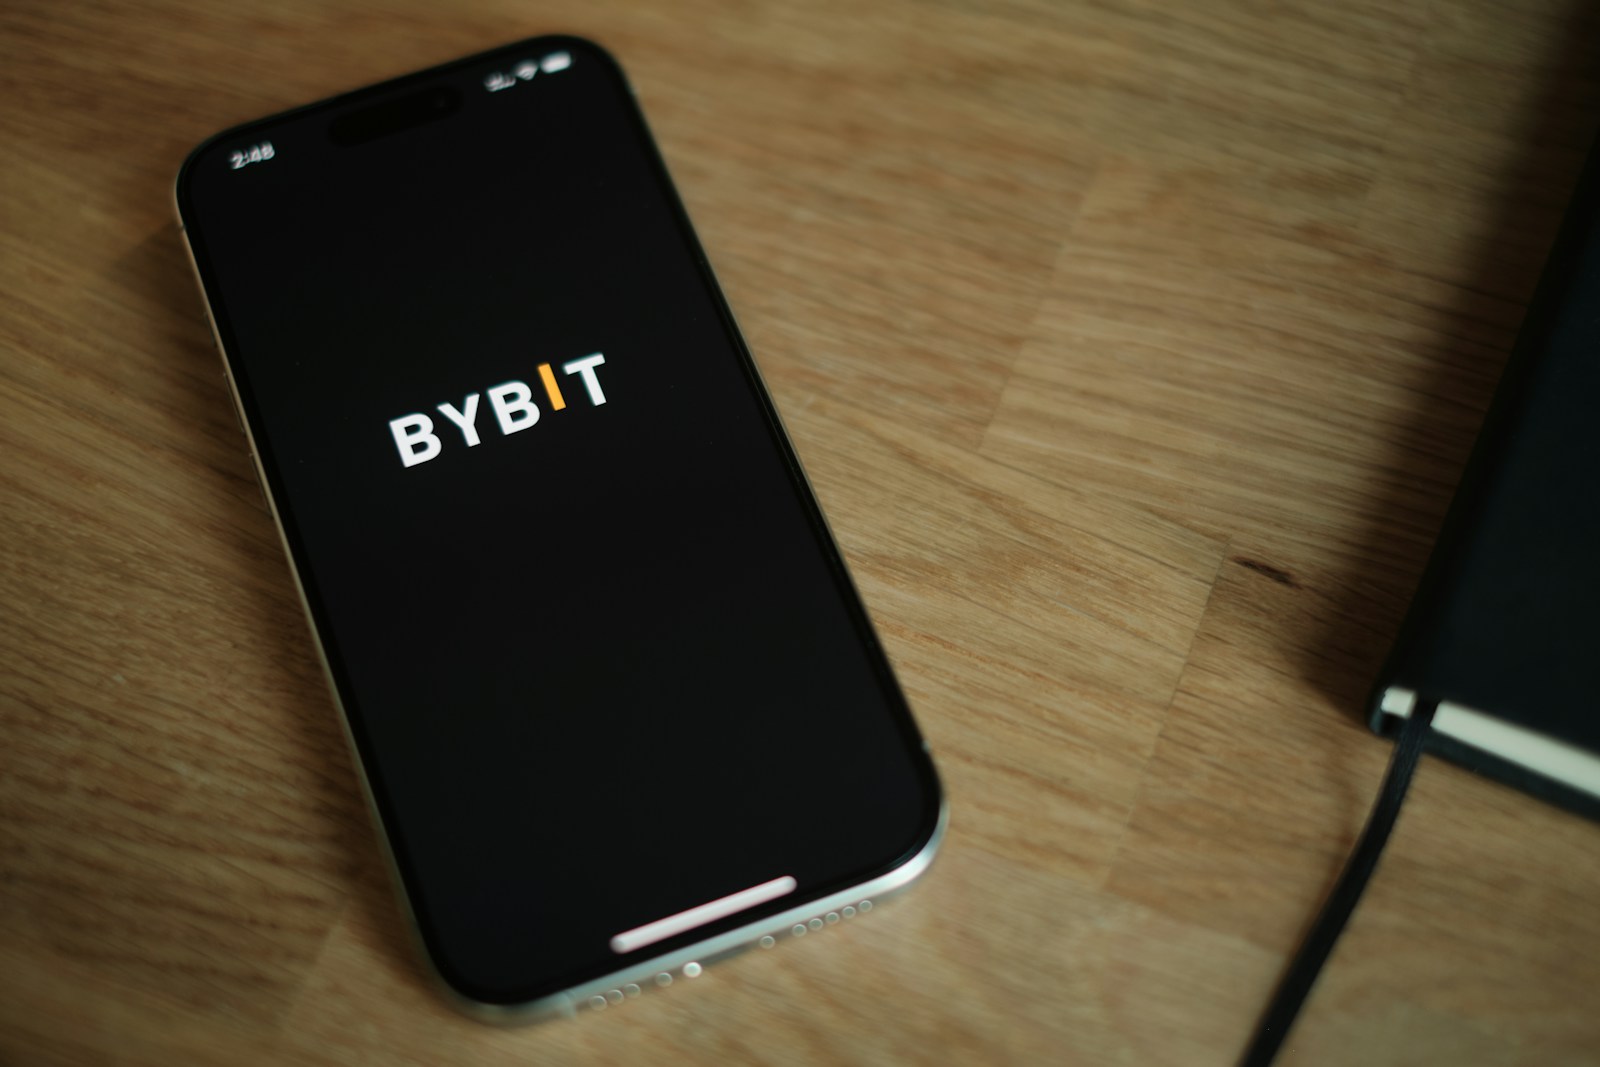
{"points": [[604, 664]]}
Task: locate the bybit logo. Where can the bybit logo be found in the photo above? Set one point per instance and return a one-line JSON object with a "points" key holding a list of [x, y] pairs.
{"points": [[513, 407]]}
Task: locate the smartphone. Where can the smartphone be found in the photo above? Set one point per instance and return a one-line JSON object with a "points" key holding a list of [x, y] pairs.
{"points": [[616, 703]]}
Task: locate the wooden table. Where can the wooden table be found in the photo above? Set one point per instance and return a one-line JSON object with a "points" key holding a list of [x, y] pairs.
{"points": [[1134, 350]]}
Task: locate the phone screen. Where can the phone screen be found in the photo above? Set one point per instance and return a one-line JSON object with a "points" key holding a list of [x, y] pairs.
{"points": [[600, 659]]}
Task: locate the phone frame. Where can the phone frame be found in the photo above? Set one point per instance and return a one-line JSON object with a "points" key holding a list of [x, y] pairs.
{"points": [[687, 961]]}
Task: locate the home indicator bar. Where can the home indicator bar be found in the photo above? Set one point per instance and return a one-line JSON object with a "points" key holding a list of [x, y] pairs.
{"points": [[721, 908]]}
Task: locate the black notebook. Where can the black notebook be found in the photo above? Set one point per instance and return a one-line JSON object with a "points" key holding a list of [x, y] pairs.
{"points": [[1505, 628]]}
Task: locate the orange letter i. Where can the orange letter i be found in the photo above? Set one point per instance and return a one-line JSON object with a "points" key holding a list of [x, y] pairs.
{"points": [[552, 390]]}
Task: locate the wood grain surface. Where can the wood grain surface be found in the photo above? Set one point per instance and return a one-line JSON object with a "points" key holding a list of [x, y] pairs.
{"points": [[1134, 350]]}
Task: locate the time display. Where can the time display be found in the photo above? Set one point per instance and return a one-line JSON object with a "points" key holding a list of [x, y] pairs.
{"points": [[256, 153]]}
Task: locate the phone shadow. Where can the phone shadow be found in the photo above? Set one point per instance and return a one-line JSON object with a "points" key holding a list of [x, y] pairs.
{"points": [[1459, 371]]}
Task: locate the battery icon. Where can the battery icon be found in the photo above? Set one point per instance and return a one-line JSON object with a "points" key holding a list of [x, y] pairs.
{"points": [[555, 61]]}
